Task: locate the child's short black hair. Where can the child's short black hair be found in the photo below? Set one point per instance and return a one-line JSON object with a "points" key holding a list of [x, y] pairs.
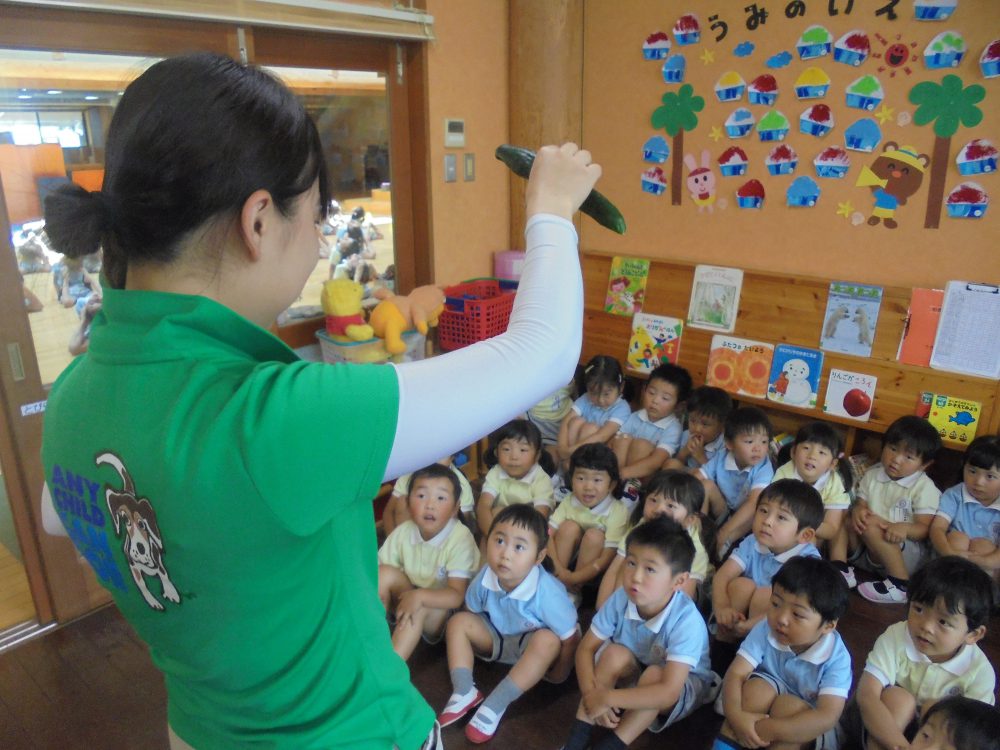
{"points": [[602, 370], [823, 433], [983, 452], [668, 538], [677, 484], [745, 421], [914, 433], [518, 430], [676, 375], [599, 457], [710, 401], [820, 582], [969, 723], [526, 517], [801, 499], [963, 586], [437, 471]]}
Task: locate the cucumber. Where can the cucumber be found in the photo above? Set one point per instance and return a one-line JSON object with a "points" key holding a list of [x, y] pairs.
{"points": [[599, 208]]}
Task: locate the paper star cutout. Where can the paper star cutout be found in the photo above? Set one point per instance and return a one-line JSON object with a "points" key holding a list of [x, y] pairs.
{"points": [[845, 209], [708, 57], [716, 134], [884, 114]]}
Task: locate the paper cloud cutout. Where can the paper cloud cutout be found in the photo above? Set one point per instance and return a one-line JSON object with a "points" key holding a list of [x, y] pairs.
{"points": [[744, 49], [780, 60]]}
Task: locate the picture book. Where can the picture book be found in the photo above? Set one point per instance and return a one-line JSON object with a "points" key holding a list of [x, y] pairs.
{"points": [[715, 298], [740, 366], [795, 375], [953, 418], [851, 315], [850, 395], [626, 285], [655, 339], [921, 326]]}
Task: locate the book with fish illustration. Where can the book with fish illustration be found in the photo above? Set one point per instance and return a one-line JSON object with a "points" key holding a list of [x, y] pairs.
{"points": [[851, 315], [954, 418], [655, 339], [626, 285]]}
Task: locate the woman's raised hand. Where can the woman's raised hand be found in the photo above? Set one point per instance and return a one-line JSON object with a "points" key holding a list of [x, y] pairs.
{"points": [[561, 179]]}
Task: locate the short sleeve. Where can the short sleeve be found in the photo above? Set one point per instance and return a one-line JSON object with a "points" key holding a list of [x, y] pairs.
{"points": [[864, 490], [561, 513], [883, 660], [785, 471], [617, 525], [687, 641], [402, 486], [390, 553], [491, 483], [835, 497], [745, 552], [670, 440], [927, 498], [463, 557], [836, 677], [699, 566], [608, 618], [620, 411], [763, 475], [949, 505], [983, 681], [558, 612], [711, 469], [475, 594], [465, 501], [541, 489], [579, 404], [755, 644]]}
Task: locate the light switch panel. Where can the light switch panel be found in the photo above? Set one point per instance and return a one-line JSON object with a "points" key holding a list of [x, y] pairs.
{"points": [[450, 167]]}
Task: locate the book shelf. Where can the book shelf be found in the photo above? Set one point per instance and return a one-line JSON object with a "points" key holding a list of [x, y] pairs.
{"points": [[781, 309]]}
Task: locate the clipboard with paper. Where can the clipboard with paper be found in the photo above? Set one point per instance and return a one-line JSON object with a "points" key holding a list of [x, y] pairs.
{"points": [[967, 336]]}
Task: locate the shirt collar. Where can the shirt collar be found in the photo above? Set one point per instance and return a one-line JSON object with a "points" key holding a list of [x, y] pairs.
{"points": [[435, 541], [958, 665], [906, 482], [966, 497], [730, 463], [820, 483], [601, 509], [526, 478], [785, 556], [818, 653], [522, 592], [661, 423], [654, 623]]}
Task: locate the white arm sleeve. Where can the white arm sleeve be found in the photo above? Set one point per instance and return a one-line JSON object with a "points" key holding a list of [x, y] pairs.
{"points": [[449, 402]]}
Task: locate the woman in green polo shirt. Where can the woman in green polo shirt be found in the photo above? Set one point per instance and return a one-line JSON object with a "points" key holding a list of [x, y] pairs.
{"points": [[221, 487]]}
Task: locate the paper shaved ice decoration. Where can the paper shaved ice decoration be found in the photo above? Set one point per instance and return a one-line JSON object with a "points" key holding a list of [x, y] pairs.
{"points": [[655, 150], [654, 181], [865, 93], [812, 83], [730, 87], [739, 123], [687, 30], [673, 69], [802, 193], [989, 61], [814, 42], [782, 160], [817, 120], [946, 50], [763, 90], [863, 135], [656, 46], [968, 201], [773, 126], [733, 162], [750, 194], [832, 162], [934, 10], [976, 157], [853, 48]]}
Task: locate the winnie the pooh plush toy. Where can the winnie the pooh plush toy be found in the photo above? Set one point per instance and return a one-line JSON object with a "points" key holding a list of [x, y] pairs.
{"points": [[341, 300], [419, 309]]}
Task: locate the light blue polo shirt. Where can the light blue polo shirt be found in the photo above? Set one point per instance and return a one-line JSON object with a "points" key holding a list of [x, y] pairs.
{"points": [[539, 601], [678, 633], [734, 483], [760, 564], [719, 444], [969, 516], [663, 433], [618, 412], [822, 669]]}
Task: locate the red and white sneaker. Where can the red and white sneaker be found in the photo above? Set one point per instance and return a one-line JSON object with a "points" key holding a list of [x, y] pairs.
{"points": [[882, 592], [483, 726], [458, 706]]}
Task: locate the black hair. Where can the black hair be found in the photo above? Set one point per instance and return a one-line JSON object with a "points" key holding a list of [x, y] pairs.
{"points": [[745, 421], [668, 538], [685, 489], [191, 139], [518, 430], [970, 724], [916, 434], [801, 499], [822, 433], [963, 586], [526, 517], [600, 371], [437, 471], [676, 375], [819, 581], [711, 402], [358, 212], [598, 457], [355, 232], [983, 453]]}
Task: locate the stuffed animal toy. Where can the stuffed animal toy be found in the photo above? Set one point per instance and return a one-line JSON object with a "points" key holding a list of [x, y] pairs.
{"points": [[419, 309], [341, 300]]}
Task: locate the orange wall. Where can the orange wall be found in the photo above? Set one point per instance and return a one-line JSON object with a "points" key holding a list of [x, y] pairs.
{"points": [[468, 78], [20, 166], [621, 90]]}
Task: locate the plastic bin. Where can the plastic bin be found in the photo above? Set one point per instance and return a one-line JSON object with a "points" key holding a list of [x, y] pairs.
{"points": [[507, 264], [371, 350], [475, 310]]}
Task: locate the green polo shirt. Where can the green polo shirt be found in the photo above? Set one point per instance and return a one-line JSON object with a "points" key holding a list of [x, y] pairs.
{"points": [[221, 488]]}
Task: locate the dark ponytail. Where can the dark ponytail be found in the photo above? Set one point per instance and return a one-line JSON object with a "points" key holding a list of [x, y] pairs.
{"points": [[192, 138]]}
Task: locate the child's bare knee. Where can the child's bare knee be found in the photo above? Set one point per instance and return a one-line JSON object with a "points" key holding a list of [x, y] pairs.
{"points": [[787, 705], [594, 536], [569, 530]]}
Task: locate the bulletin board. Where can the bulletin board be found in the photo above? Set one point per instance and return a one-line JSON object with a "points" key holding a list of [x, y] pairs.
{"points": [[892, 91]]}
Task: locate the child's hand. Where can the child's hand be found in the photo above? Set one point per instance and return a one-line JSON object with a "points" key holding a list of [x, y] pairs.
{"points": [[744, 726], [696, 447], [595, 703], [895, 532], [561, 179], [859, 519], [410, 603], [727, 617], [742, 627]]}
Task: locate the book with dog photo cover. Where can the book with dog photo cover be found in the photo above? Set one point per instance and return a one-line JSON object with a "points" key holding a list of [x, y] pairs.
{"points": [[795, 373], [740, 366], [850, 394], [851, 315]]}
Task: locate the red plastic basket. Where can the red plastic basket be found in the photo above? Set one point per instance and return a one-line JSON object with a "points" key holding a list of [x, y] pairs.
{"points": [[475, 310]]}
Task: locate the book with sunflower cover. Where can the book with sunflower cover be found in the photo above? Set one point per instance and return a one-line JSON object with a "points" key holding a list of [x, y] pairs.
{"points": [[740, 366]]}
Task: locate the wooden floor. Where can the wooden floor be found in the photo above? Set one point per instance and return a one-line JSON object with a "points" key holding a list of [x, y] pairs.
{"points": [[91, 685], [16, 605]]}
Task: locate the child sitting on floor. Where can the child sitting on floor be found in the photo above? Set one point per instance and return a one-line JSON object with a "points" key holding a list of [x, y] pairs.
{"points": [[791, 677], [815, 459], [968, 519], [892, 512], [650, 635], [784, 525], [707, 409], [396, 511], [958, 723], [517, 614], [735, 476], [932, 654], [679, 496], [599, 412], [588, 525], [426, 563], [517, 477]]}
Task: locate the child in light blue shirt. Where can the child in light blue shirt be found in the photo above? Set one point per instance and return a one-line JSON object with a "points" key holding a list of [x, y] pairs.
{"points": [[598, 414], [707, 410]]}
